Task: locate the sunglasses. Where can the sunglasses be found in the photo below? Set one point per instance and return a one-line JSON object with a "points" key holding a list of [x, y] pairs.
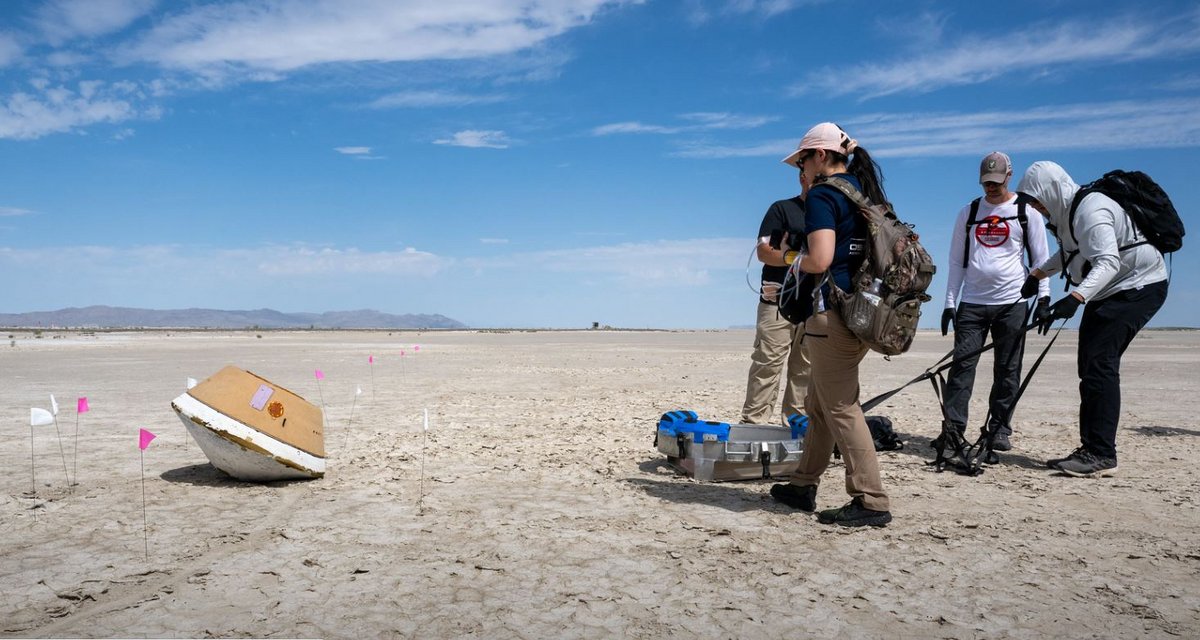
{"points": [[802, 158]]}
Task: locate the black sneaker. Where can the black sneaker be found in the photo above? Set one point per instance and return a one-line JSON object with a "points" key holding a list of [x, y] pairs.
{"points": [[1000, 442], [797, 497], [1053, 463], [854, 515], [1088, 464]]}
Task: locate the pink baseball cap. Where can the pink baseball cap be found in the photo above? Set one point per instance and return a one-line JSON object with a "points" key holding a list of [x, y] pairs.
{"points": [[826, 135]]}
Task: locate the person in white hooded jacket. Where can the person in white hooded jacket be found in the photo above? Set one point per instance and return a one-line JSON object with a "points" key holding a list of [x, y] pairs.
{"points": [[1119, 279]]}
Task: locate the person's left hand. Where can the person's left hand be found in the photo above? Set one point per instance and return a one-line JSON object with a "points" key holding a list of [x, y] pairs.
{"points": [[1030, 287], [1042, 311], [1063, 309], [947, 320]]}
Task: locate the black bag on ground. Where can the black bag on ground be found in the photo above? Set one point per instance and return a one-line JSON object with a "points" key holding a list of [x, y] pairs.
{"points": [[886, 439]]}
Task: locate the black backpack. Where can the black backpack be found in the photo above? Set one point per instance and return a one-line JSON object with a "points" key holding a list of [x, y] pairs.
{"points": [[882, 433], [1146, 203]]}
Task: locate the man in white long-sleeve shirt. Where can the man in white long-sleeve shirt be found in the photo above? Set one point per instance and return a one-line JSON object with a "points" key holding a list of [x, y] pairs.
{"points": [[992, 236]]}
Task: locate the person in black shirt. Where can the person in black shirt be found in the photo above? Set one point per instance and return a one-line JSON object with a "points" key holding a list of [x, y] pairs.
{"points": [[777, 342]]}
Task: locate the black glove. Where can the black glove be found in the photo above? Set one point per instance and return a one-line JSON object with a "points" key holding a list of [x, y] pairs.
{"points": [[1063, 309], [1030, 288], [947, 320], [1041, 312]]}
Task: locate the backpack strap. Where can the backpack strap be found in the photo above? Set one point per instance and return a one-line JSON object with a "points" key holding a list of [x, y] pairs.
{"points": [[1068, 256], [848, 190], [1023, 200], [970, 223]]}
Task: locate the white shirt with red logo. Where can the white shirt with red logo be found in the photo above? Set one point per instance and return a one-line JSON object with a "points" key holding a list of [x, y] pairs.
{"points": [[996, 262]]}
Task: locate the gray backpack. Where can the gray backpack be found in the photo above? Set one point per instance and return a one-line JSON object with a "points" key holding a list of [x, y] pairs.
{"points": [[883, 305]]}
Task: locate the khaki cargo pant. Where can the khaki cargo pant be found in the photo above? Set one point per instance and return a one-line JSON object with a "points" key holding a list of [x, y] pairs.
{"points": [[777, 343], [834, 414]]}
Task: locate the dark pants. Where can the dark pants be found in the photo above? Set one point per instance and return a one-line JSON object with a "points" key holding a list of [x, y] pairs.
{"points": [[1107, 328], [972, 324]]}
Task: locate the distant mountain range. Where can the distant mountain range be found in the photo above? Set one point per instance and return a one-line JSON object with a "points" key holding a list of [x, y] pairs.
{"points": [[125, 318]]}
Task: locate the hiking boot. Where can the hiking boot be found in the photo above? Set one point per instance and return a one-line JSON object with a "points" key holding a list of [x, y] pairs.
{"points": [[854, 515], [1088, 464], [797, 497], [1053, 463], [1000, 442]]}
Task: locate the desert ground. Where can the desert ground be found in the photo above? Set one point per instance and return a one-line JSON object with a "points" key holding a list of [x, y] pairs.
{"points": [[536, 506]]}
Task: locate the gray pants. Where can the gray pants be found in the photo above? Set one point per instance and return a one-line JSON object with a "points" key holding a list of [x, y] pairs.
{"points": [[972, 324]]}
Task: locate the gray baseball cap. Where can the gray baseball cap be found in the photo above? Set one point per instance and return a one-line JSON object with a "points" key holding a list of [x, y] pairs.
{"points": [[996, 167]]}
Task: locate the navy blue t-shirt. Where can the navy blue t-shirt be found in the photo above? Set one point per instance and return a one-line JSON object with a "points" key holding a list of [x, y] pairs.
{"points": [[828, 208]]}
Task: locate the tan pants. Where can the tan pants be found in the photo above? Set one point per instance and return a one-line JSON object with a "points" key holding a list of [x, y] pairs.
{"points": [[777, 343], [834, 414]]}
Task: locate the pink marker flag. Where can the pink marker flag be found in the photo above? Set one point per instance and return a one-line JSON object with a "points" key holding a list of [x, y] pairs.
{"points": [[370, 359], [320, 374], [82, 406], [416, 347], [144, 438]]}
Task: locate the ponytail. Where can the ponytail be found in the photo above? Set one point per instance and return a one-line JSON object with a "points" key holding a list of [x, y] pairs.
{"points": [[870, 175]]}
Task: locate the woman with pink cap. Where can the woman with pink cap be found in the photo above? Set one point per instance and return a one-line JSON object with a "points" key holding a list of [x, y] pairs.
{"points": [[836, 245]]}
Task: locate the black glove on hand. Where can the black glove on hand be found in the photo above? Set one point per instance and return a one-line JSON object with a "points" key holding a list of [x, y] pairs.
{"points": [[1041, 312], [1030, 288], [947, 320], [1063, 309]]}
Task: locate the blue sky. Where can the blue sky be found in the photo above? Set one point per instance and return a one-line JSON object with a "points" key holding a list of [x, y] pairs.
{"points": [[537, 163]]}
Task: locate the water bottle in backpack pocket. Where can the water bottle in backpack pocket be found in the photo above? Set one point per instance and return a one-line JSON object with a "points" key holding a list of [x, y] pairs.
{"points": [[862, 307]]}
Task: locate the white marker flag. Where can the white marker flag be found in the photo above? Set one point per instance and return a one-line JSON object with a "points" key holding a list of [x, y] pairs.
{"points": [[358, 390], [427, 419], [40, 417], [191, 382], [53, 405]]}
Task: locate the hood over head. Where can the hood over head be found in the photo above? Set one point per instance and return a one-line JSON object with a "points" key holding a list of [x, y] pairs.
{"points": [[1050, 185]]}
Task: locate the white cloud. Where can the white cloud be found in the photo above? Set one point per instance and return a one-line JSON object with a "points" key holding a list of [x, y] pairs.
{"points": [[705, 121], [493, 240], [1131, 124], [66, 59], [709, 120], [419, 99], [57, 109], [176, 276], [699, 13], [302, 260], [273, 261], [291, 34], [7, 212], [766, 8], [352, 151], [972, 60], [640, 265], [10, 49], [477, 139], [704, 151], [632, 127], [63, 20]]}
